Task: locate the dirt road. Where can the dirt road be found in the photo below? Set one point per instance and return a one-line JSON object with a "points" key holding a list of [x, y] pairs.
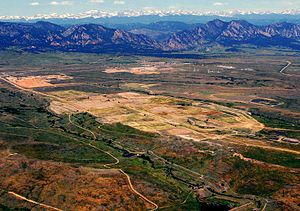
{"points": [[285, 67], [33, 202]]}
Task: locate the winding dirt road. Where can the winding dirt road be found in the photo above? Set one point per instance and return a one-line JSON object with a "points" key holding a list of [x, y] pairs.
{"points": [[115, 163], [33, 202], [240, 208], [285, 67]]}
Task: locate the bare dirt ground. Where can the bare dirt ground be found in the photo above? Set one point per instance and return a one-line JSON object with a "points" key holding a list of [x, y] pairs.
{"points": [[134, 70], [138, 86], [37, 81], [148, 68]]}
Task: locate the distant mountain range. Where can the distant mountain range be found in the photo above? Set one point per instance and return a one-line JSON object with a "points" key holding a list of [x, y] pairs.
{"points": [[170, 36], [149, 15]]}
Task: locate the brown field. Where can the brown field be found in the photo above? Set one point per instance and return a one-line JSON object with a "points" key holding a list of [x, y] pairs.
{"points": [[157, 114], [148, 68]]}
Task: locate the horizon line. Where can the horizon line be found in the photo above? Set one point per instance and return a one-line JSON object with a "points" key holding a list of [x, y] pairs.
{"points": [[147, 12]]}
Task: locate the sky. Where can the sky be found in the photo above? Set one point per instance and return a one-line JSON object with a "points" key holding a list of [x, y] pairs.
{"points": [[34, 7]]}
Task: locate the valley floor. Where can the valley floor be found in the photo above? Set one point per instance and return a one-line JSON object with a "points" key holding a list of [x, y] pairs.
{"points": [[151, 134]]}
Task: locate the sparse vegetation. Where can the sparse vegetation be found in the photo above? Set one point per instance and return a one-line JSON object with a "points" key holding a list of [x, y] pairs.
{"points": [[268, 156], [197, 118], [251, 179]]}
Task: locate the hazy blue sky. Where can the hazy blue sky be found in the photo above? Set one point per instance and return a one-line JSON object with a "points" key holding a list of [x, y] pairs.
{"points": [[32, 7]]}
